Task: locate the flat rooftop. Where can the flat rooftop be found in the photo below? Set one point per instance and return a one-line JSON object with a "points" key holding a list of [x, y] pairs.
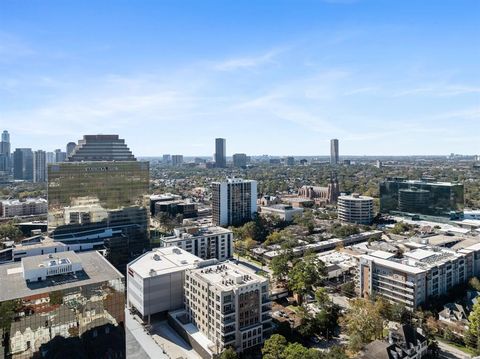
{"points": [[50, 260], [227, 275], [183, 233], [163, 260], [96, 269]]}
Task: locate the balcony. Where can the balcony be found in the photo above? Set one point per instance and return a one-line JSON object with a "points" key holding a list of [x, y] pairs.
{"points": [[266, 300], [228, 330], [228, 339], [228, 311]]}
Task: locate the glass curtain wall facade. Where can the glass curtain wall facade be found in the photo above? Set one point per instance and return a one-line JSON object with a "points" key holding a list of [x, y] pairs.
{"points": [[96, 204], [439, 199]]}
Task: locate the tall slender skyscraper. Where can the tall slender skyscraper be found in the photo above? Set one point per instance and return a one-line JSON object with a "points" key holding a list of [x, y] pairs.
{"points": [[39, 166], [334, 156], [5, 159], [220, 153]]}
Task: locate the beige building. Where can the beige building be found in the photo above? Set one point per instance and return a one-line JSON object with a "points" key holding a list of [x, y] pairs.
{"points": [[229, 305], [355, 209]]}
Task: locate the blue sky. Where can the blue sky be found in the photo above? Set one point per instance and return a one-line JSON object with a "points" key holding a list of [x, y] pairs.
{"points": [[278, 77]]}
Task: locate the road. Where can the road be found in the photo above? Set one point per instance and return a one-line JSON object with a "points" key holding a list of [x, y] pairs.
{"points": [[450, 352]]}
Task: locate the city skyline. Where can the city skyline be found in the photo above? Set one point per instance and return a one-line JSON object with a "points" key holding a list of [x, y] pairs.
{"points": [[383, 78]]}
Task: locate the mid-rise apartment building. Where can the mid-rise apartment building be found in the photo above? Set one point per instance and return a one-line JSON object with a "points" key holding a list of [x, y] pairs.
{"points": [[204, 242], [421, 274], [234, 201], [27, 207], [229, 305], [355, 209]]}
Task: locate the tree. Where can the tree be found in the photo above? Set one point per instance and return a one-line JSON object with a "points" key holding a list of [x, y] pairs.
{"points": [[10, 231], [306, 273], [274, 347], [362, 322], [474, 283], [348, 289], [280, 266], [473, 332], [229, 353]]}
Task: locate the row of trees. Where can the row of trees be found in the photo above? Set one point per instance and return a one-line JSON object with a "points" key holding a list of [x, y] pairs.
{"points": [[277, 347]]}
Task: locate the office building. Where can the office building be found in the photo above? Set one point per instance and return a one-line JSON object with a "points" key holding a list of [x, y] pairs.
{"points": [[290, 161], [5, 155], [220, 153], [39, 166], [421, 197], [26, 207], [334, 154], [167, 159], [355, 209], [204, 242], [70, 148], [234, 201], [101, 148], [177, 160], [50, 157], [418, 275], [229, 305], [156, 280], [177, 207], [55, 302], [96, 204], [239, 160], [60, 156], [23, 164], [283, 211]]}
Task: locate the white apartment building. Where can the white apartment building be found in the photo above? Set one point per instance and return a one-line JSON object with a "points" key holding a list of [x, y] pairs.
{"points": [[421, 274], [205, 242], [155, 280], [234, 201], [28, 207], [229, 305], [355, 209]]}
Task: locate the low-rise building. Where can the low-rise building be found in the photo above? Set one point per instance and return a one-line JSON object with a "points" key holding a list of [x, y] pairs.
{"points": [[50, 295], [172, 208], [285, 212]]}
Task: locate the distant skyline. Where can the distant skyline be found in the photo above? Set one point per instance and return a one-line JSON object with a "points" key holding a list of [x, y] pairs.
{"points": [[272, 77]]}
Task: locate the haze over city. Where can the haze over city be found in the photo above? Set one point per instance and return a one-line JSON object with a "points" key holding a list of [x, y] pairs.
{"points": [[276, 77]]}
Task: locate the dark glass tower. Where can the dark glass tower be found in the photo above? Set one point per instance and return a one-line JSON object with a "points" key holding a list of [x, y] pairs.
{"points": [[439, 199], [23, 164], [220, 153]]}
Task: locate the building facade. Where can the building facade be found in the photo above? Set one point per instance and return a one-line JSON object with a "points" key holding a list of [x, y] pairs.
{"points": [[355, 209], [204, 242], [421, 274], [220, 153], [424, 197], [239, 160], [334, 152], [70, 148], [53, 303], [97, 204], [27, 207], [321, 195], [39, 166], [234, 201], [23, 164], [177, 160], [101, 148], [229, 305]]}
